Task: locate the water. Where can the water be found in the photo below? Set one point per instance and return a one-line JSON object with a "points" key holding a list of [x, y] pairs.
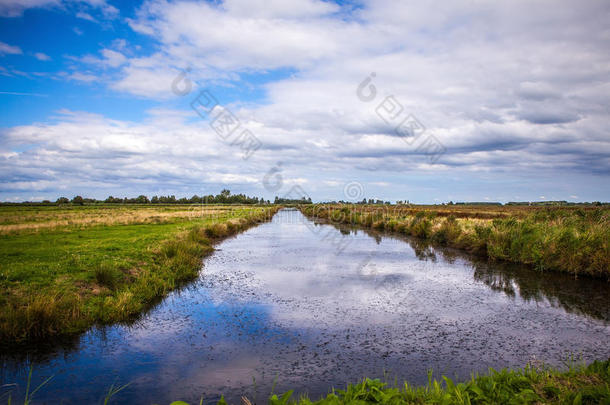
{"points": [[308, 307]]}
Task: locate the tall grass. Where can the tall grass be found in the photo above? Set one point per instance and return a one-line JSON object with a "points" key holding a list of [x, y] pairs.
{"points": [[572, 240], [41, 315]]}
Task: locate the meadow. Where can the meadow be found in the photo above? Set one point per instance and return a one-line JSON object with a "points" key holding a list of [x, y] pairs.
{"points": [[65, 268], [571, 239]]}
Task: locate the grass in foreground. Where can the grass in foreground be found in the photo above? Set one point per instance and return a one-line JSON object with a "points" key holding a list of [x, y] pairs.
{"points": [[84, 265], [579, 385], [575, 240]]}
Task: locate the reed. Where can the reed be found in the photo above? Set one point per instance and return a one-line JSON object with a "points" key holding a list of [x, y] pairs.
{"points": [[572, 240]]}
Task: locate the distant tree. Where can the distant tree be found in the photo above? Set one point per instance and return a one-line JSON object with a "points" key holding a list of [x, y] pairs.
{"points": [[142, 199], [78, 200], [113, 200], [154, 200], [62, 200]]}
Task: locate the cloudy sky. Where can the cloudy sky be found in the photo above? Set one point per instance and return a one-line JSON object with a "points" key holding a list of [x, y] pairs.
{"points": [[399, 100]]}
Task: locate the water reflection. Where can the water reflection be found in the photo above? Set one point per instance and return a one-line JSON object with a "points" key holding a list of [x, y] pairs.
{"points": [[584, 296]]}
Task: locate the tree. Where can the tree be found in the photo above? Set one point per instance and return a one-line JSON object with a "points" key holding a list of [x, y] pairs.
{"points": [[78, 200], [142, 199], [62, 200]]}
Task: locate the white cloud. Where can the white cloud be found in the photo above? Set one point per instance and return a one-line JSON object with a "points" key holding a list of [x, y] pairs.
{"points": [[85, 16], [85, 150], [143, 80], [9, 49], [279, 8], [42, 56], [113, 58], [83, 77]]}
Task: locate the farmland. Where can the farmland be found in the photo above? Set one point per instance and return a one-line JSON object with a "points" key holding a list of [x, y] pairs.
{"points": [[65, 268]]}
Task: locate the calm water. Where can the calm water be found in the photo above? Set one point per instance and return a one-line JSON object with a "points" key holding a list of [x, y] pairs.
{"points": [[313, 306]]}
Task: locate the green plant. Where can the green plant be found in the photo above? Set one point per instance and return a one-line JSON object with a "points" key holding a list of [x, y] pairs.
{"points": [[108, 276]]}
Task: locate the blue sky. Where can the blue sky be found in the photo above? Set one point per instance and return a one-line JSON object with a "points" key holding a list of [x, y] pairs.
{"points": [[473, 102]]}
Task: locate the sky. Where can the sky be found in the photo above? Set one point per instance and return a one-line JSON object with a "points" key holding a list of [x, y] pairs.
{"points": [[395, 100]]}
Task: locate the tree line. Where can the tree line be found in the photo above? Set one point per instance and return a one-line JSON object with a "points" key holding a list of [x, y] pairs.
{"points": [[224, 197]]}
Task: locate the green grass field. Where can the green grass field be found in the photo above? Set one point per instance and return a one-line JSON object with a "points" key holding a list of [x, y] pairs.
{"points": [[63, 269], [574, 239]]}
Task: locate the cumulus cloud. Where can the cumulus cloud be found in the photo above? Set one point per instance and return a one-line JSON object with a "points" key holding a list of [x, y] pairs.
{"points": [[89, 150]]}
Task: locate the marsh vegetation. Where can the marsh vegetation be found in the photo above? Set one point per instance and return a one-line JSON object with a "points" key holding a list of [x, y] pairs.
{"points": [[574, 240]]}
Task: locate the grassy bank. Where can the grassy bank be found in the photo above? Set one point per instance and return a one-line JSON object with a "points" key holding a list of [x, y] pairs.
{"points": [[531, 385], [575, 240], [64, 269]]}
